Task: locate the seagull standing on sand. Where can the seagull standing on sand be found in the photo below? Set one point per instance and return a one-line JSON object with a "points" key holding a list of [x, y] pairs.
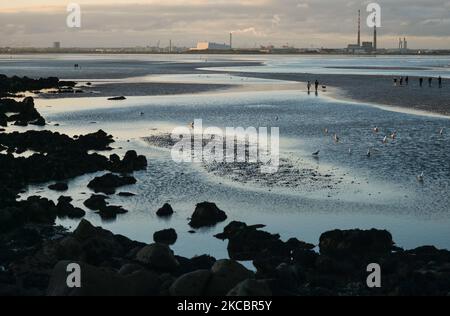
{"points": [[316, 154], [376, 129], [442, 131], [394, 135], [350, 151], [336, 138], [326, 131], [421, 177], [385, 140], [369, 153]]}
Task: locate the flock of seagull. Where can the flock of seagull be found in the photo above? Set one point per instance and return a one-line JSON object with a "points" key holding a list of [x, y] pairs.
{"points": [[376, 130]]}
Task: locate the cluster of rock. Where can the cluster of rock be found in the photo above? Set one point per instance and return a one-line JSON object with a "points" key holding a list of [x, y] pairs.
{"points": [[114, 265], [20, 113], [11, 85]]}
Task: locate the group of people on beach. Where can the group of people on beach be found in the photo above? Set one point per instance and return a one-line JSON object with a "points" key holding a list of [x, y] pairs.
{"points": [[316, 86], [405, 81]]}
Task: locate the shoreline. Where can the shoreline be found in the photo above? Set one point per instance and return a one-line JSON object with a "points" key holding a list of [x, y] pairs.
{"points": [[372, 89]]}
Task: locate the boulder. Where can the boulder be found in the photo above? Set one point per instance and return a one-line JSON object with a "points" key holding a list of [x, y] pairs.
{"points": [[167, 236], [111, 212], [60, 186], [158, 256], [356, 243], [66, 209], [165, 211], [226, 274], [207, 214], [109, 182], [102, 282], [251, 288], [96, 202], [120, 98], [191, 284], [131, 162]]}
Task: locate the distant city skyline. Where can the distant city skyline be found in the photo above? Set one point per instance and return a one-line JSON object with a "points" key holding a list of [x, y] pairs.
{"points": [[302, 23]]}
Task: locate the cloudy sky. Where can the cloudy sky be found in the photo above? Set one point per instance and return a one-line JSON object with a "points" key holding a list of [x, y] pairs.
{"points": [[303, 23]]}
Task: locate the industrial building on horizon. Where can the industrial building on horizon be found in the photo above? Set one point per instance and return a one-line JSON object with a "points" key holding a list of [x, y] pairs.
{"points": [[364, 47]]}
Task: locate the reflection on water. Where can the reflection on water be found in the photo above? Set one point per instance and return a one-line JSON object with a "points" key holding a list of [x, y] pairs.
{"points": [[379, 191]]}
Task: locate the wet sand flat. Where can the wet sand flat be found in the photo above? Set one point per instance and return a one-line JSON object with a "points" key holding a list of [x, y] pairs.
{"points": [[375, 89]]}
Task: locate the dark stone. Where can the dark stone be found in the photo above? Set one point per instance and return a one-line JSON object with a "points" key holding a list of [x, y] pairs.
{"points": [[131, 162], [167, 236], [207, 214], [66, 209], [117, 98], [109, 182], [126, 194], [60, 186], [96, 202], [356, 243], [111, 211], [165, 211]]}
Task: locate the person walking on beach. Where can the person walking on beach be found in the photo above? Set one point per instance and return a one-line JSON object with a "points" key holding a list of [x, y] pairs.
{"points": [[309, 87], [440, 82], [407, 80], [421, 82], [316, 84], [395, 82], [401, 81], [430, 82]]}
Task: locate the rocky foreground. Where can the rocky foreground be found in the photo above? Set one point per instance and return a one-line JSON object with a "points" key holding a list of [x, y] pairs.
{"points": [[35, 254]]}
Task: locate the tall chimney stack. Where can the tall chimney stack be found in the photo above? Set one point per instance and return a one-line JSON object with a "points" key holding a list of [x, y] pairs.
{"points": [[375, 38], [359, 27]]}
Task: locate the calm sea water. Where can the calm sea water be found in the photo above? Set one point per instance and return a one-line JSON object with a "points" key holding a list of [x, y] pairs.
{"points": [[377, 192]]}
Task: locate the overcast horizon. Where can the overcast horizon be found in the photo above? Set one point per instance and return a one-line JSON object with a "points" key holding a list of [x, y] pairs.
{"points": [[302, 23]]}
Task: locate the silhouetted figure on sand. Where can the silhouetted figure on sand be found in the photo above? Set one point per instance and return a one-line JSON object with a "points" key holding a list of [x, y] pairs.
{"points": [[407, 80], [317, 85], [395, 81], [430, 82], [401, 81], [421, 82], [309, 87], [440, 82]]}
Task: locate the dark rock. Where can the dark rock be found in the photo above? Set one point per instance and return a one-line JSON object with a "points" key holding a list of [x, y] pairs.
{"points": [[131, 162], [356, 243], [191, 284], [111, 211], [226, 274], [126, 194], [96, 202], [251, 288], [102, 282], [207, 214], [167, 236], [109, 182], [60, 186], [66, 209], [117, 98], [158, 256], [165, 211]]}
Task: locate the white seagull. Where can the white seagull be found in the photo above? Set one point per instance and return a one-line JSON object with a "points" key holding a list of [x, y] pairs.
{"points": [[385, 140], [336, 138], [376, 129], [421, 177], [442, 131]]}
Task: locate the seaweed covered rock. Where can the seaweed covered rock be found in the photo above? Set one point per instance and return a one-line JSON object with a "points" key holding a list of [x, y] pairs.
{"points": [[108, 183], [207, 214]]}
